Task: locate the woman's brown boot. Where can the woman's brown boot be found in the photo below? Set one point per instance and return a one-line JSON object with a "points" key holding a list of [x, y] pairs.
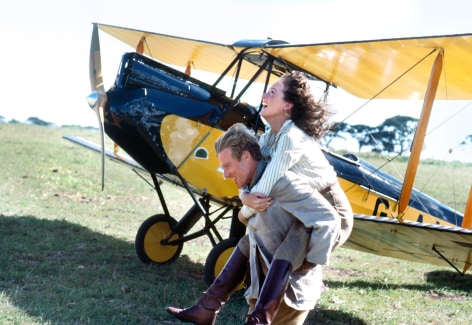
{"points": [[271, 294], [205, 311]]}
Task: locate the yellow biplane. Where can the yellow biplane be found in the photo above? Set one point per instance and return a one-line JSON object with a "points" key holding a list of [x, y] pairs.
{"points": [[167, 120]]}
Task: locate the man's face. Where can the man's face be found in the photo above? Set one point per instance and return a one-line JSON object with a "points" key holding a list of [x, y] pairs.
{"points": [[240, 171]]}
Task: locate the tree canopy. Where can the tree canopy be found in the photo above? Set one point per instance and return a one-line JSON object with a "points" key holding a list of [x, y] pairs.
{"points": [[395, 134]]}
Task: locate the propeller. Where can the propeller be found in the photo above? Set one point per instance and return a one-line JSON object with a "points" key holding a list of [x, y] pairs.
{"points": [[98, 98]]}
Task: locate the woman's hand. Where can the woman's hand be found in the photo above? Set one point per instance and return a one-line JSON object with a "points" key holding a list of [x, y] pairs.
{"points": [[241, 218], [256, 201]]}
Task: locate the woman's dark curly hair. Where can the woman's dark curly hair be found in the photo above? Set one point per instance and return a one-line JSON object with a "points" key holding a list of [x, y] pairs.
{"points": [[308, 114]]}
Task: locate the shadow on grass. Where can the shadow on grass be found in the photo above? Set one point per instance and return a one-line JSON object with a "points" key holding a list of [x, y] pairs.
{"points": [[332, 317], [63, 273], [434, 280], [450, 279], [57, 272]]}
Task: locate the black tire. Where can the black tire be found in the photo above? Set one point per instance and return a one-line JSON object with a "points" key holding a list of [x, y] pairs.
{"points": [[148, 240], [217, 259]]}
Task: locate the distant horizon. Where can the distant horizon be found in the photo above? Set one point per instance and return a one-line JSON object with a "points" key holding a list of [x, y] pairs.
{"points": [[459, 154]]}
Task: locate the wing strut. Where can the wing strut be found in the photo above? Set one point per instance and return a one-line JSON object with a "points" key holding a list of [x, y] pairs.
{"points": [[449, 262], [467, 221], [418, 141]]}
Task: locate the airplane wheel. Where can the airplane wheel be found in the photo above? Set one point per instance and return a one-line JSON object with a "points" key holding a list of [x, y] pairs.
{"points": [[217, 259], [148, 240]]}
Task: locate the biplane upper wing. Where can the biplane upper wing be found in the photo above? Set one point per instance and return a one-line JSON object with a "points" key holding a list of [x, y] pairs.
{"points": [[178, 51], [391, 68], [413, 241]]}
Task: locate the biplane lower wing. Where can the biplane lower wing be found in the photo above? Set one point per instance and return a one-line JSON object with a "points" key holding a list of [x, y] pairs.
{"points": [[108, 153], [413, 241], [130, 162], [126, 160]]}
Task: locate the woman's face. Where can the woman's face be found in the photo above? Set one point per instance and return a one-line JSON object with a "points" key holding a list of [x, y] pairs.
{"points": [[273, 103]]}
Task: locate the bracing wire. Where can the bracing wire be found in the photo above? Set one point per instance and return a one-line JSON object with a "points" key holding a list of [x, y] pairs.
{"points": [[389, 85], [450, 117]]}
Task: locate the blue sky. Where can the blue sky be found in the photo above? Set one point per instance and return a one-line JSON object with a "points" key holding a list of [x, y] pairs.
{"points": [[46, 43]]}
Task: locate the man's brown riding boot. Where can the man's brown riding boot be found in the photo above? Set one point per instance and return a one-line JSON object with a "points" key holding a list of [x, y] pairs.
{"points": [[271, 294], [205, 311]]}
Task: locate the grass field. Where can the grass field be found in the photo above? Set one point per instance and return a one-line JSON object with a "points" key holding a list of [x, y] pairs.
{"points": [[67, 248]]}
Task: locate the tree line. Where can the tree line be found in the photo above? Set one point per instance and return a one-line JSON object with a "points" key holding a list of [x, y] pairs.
{"points": [[395, 134]]}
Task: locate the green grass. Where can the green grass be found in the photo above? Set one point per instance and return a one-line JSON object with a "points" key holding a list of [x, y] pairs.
{"points": [[67, 249]]}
